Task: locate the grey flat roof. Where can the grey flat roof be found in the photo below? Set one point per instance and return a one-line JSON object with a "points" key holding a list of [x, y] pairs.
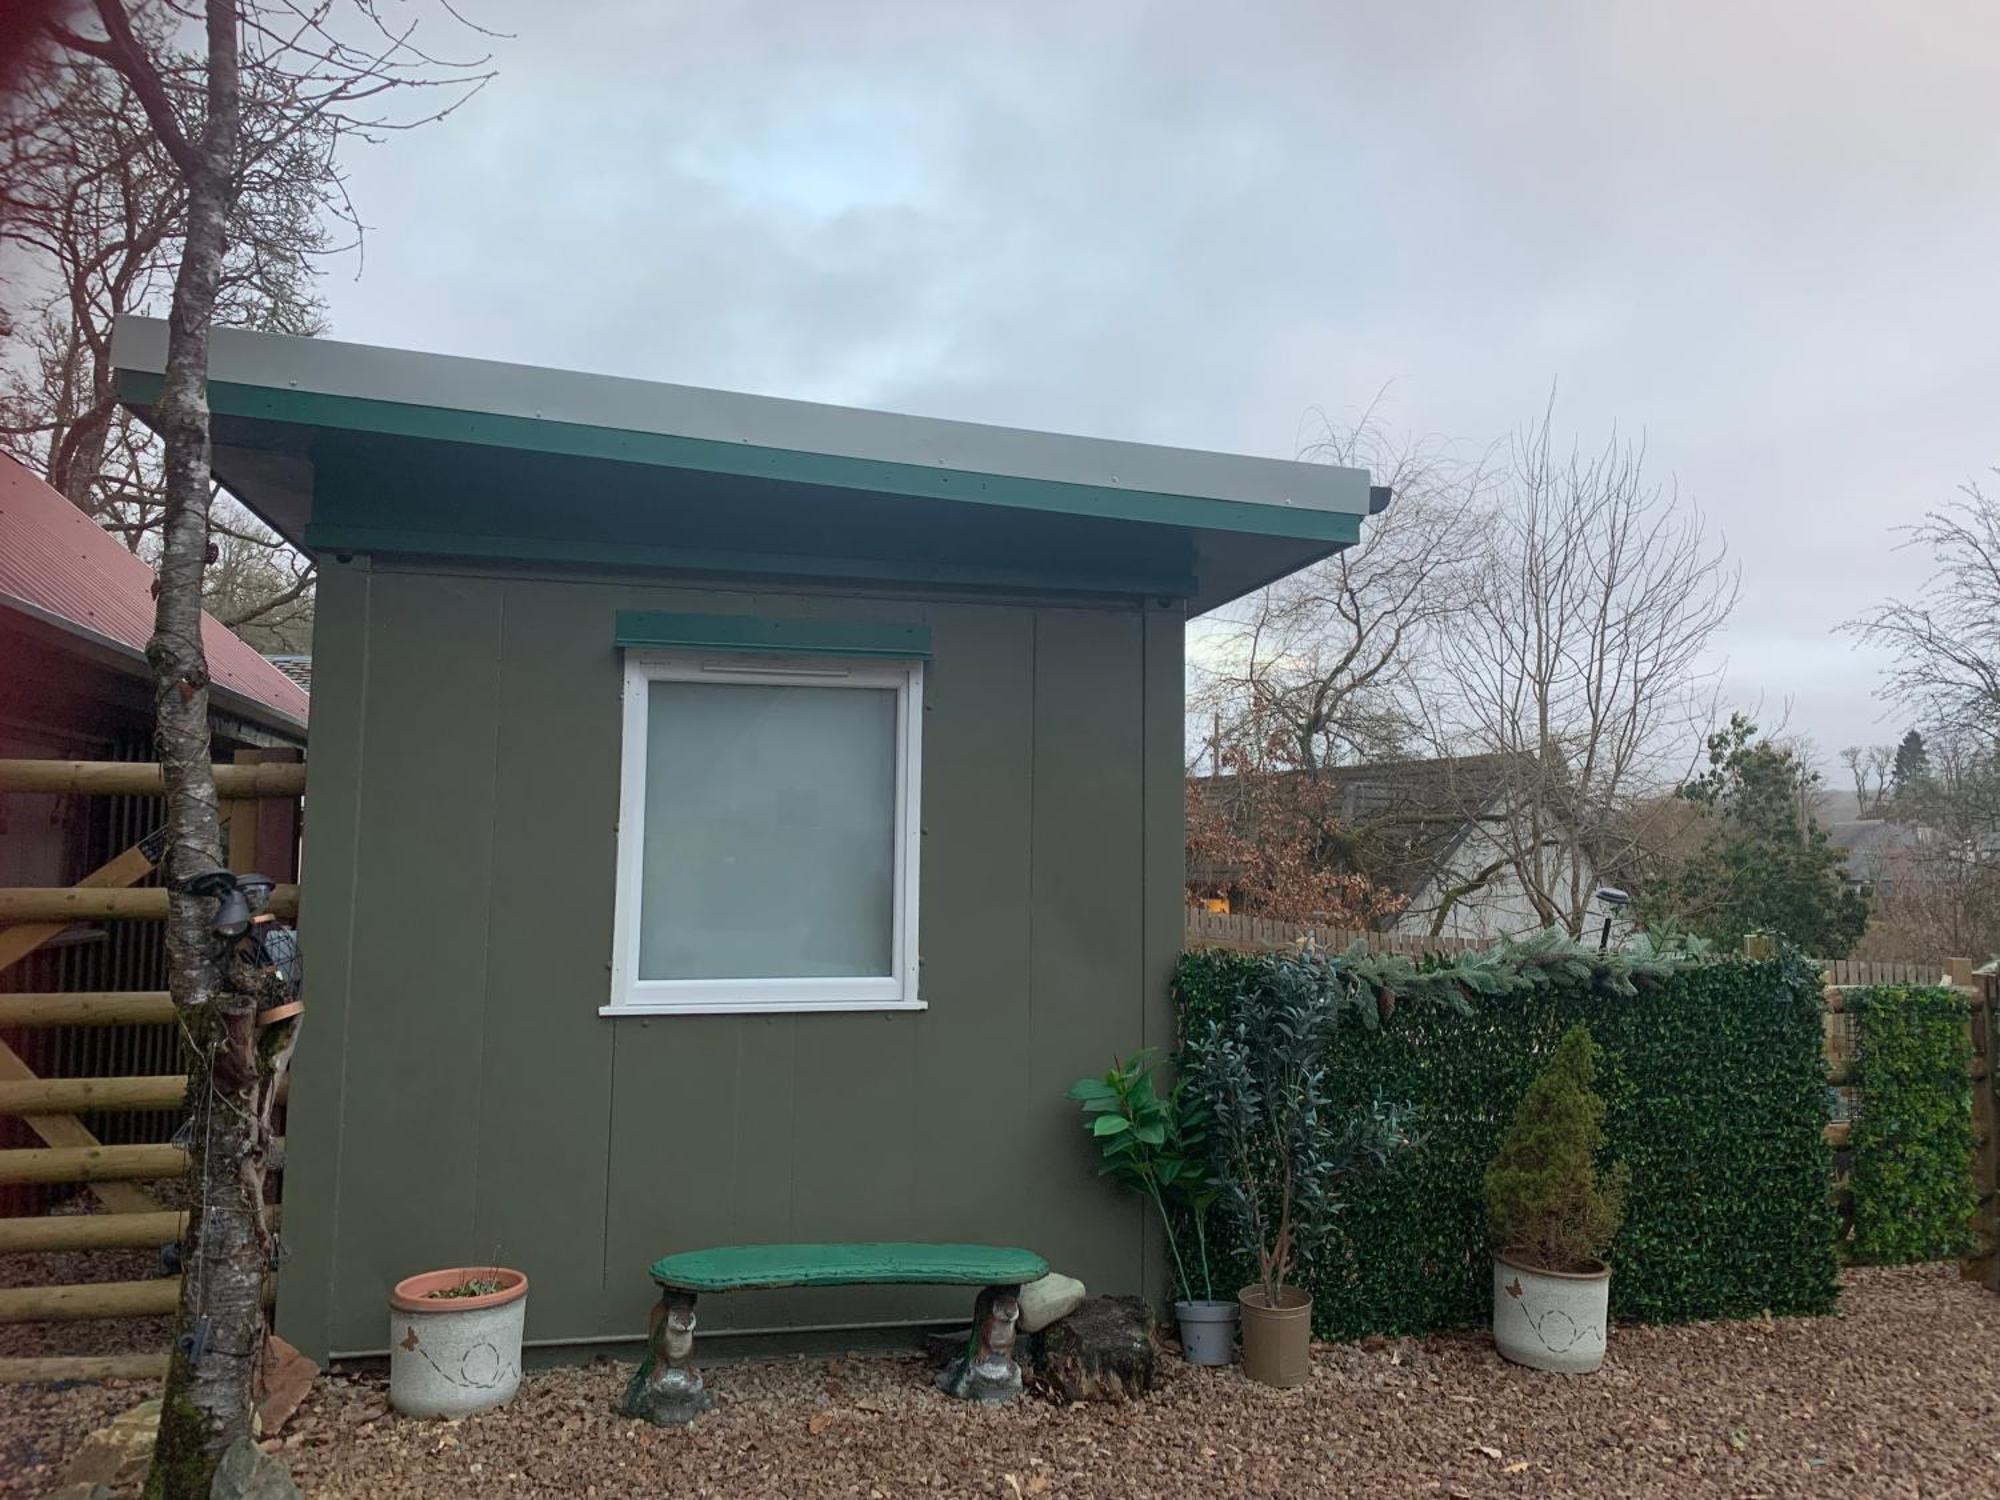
{"points": [[278, 402], [451, 383]]}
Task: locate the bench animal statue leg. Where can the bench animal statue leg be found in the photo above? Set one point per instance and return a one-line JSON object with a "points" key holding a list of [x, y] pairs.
{"points": [[986, 1371], [667, 1388]]}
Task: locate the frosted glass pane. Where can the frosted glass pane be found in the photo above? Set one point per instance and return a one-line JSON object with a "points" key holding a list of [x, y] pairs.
{"points": [[770, 841]]}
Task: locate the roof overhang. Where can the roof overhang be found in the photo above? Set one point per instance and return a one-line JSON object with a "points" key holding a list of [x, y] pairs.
{"points": [[281, 405]]}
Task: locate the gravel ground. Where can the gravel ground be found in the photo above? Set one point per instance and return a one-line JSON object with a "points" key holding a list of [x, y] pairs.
{"points": [[1900, 1396]]}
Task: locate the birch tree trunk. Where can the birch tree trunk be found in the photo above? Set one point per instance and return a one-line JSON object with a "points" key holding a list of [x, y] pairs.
{"points": [[219, 1327], [317, 81]]}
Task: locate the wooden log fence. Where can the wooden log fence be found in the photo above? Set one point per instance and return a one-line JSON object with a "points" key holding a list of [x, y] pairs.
{"points": [[152, 1298], [33, 1096], [83, 1367], [30, 917], [63, 1131], [92, 1164], [128, 868], [73, 1096], [49, 1232], [85, 1008], [106, 778], [65, 904]]}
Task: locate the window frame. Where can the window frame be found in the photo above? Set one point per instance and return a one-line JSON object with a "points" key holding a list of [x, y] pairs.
{"points": [[897, 990]]}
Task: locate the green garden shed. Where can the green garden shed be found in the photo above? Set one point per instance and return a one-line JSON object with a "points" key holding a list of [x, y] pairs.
{"points": [[728, 820]]}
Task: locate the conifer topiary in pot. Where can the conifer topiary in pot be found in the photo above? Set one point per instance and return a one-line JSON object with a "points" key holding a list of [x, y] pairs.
{"points": [[1553, 1216]]}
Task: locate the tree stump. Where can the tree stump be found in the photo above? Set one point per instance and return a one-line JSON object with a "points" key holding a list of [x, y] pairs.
{"points": [[1101, 1352]]}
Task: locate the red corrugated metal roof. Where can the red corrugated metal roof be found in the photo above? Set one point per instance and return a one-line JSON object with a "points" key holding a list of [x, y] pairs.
{"points": [[60, 566]]}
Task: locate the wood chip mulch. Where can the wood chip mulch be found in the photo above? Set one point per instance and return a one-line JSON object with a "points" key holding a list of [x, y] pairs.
{"points": [[1898, 1396]]}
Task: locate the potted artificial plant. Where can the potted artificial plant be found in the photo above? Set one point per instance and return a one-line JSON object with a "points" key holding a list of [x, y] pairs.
{"points": [[1552, 1218], [1278, 1154], [1153, 1144], [455, 1340]]}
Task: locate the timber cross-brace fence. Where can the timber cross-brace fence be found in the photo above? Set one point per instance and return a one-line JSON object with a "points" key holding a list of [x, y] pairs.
{"points": [[133, 1218]]}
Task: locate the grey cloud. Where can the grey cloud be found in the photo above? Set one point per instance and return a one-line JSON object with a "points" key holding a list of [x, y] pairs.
{"points": [[1762, 235]]}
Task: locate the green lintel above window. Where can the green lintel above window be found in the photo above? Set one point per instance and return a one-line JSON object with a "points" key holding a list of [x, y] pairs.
{"points": [[650, 628]]}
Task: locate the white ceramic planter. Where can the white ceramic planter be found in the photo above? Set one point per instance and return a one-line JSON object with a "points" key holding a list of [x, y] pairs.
{"points": [[1551, 1320], [453, 1356]]}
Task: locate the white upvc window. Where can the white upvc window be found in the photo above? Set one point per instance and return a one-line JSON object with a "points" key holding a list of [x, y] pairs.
{"points": [[768, 834]]}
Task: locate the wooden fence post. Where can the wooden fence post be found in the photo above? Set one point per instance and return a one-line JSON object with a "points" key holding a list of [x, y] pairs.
{"points": [[1983, 1265], [240, 813]]}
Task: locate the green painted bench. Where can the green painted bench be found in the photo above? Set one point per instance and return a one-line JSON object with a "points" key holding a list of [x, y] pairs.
{"points": [[668, 1388]]}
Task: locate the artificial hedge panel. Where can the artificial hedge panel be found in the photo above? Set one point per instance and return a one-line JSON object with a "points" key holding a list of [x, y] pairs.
{"points": [[1716, 1101], [1912, 1137]]}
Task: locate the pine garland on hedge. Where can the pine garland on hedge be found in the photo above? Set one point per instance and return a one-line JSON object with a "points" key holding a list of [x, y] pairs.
{"points": [[1715, 1101]]}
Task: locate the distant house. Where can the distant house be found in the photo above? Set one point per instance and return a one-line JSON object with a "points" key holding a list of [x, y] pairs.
{"points": [[1877, 852], [1432, 831]]}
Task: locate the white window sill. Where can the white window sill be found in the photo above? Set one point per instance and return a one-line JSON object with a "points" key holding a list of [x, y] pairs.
{"points": [[755, 1007]]}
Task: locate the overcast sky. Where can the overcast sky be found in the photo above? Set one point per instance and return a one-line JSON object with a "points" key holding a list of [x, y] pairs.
{"points": [[1763, 236]]}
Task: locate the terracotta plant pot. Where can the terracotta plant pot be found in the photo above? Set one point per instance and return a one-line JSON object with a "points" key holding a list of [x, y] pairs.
{"points": [[1277, 1341], [452, 1356], [1550, 1320]]}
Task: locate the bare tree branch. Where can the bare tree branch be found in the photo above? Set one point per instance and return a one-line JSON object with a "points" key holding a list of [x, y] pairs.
{"points": [[1946, 643], [1582, 664]]}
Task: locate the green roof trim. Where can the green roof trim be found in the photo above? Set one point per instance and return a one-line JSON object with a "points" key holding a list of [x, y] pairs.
{"points": [[735, 1268], [705, 455], [794, 637]]}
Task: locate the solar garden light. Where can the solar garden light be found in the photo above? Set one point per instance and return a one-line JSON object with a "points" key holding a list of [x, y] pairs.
{"points": [[232, 910], [1613, 901], [243, 921]]}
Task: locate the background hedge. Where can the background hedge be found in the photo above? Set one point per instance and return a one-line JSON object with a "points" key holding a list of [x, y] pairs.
{"points": [[1717, 1102], [1912, 1134]]}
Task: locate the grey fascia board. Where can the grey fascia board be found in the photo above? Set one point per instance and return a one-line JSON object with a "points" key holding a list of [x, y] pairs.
{"points": [[487, 387]]}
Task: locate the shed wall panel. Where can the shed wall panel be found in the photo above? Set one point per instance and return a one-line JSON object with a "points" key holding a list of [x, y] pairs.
{"points": [[315, 1140], [417, 1024], [479, 1108], [1163, 889], [545, 1096], [1085, 949]]}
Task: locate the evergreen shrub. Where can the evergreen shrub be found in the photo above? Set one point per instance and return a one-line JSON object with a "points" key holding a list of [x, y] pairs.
{"points": [[1545, 1200]]}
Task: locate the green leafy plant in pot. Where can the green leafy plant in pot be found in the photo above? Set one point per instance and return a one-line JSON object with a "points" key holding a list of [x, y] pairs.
{"points": [[1279, 1152], [1553, 1216], [1154, 1143]]}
